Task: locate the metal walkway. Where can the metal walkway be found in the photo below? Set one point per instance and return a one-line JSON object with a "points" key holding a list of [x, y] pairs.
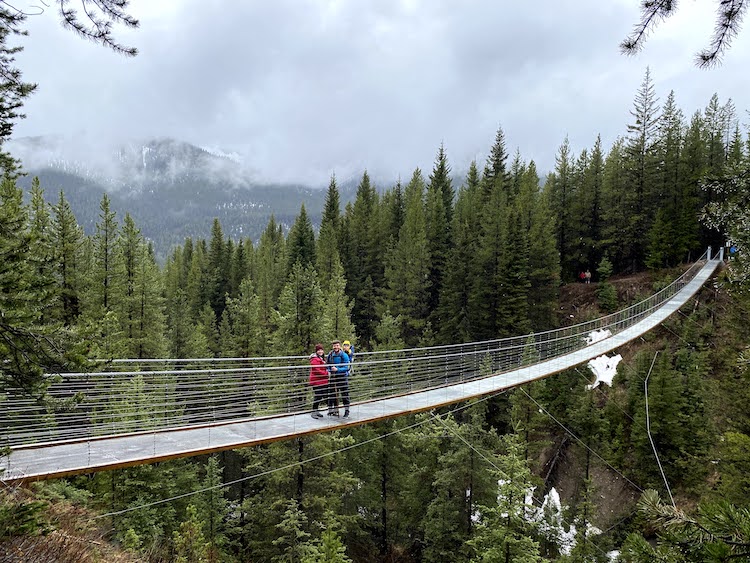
{"points": [[143, 411]]}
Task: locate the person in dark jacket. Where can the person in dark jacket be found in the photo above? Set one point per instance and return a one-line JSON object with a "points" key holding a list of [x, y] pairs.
{"points": [[318, 379], [338, 371]]}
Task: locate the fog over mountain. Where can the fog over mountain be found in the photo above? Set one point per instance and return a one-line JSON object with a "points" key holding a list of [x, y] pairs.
{"points": [[171, 188]]}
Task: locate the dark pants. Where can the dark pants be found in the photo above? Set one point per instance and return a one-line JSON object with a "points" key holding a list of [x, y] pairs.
{"points": [[339, 387], [320, 395]]}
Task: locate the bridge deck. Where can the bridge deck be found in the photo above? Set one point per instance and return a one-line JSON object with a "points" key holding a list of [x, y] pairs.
{"points": [[85, 456]]}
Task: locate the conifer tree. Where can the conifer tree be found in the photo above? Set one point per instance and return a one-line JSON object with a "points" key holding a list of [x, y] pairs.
{"points": [[392, 216], [190, 543], [388, 333], [67, 239], [103, 302], [504, 534], [561, 189], [239, 267], [440, 180], [207, 334], [248, 338], [615, 218], [301, 242], [641, 167], [363, 260], [590, 208], [329, 248], [329, 550], [544, 259], [213, 508], [180, 326], [270, 273], [150, 322], [513, 278], [217, 274], [301, 312], [127, 245], [28, 348], [197, 281], [484, 300], [456, 324], [337, 307], [104, 279], [407, 270], [332, 205], [41, 254], [438, 245], [293, 539], [495, 170]]}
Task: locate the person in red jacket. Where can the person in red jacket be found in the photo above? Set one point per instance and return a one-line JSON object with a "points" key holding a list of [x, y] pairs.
{"points": [[318, 379]]}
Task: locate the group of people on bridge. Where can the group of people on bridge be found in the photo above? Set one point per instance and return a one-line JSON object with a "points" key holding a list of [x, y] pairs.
{"points": [[329, 377]]}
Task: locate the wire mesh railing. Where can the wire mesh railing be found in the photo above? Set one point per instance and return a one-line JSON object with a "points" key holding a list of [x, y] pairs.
{"points": [[137, 395]]}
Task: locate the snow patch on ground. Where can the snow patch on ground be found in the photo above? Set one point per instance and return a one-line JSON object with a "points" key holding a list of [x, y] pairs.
{"points": [[597, 335], [604, 368]]}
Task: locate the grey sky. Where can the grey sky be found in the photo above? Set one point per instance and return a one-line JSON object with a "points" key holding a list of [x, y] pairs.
{"points": [[306, 88]]}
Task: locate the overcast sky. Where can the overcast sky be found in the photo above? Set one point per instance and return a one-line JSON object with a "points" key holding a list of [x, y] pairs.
{"points": [[303, 89]]}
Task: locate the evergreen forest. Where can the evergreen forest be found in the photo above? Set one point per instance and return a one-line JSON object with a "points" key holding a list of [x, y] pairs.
{"points": [[550, 471]]}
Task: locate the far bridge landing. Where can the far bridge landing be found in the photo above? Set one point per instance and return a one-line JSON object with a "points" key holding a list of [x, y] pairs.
{"points": [[143, 411]]}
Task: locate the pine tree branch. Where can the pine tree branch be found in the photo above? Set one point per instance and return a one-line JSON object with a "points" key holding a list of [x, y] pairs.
{"points": [[100, 15], [652, 13], [96, 25], [730, 17]]}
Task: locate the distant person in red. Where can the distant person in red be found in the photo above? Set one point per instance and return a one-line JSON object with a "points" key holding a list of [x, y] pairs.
{"points": [[582, 277], [318, 379]]}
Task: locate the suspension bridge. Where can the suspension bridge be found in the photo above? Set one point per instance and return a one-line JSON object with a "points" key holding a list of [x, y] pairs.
{"points": [[144, 411]]}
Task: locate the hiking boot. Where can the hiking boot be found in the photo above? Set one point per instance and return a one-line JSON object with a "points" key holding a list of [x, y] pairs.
{"points": [[333, 413], [316, 414], [346, 413]]}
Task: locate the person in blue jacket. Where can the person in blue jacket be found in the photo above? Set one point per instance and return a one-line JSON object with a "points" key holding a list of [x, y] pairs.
{"points": [[338, 368]]}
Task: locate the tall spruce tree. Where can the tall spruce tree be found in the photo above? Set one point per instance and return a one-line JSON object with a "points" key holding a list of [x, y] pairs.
{"points": [[104, 278], [328, 247], [28, 348], [300, 315], [270, 273], [543, 257], [248, 338], [486, 292], [67, 239], [337, 306], [513, 278], [495, 170], [217, 275], [42, 255], [669, 239], [437, 228], [560, 187], [408, 266], [615, 202], [641, 166], [457, 324], [363, 259], [300, 245]]}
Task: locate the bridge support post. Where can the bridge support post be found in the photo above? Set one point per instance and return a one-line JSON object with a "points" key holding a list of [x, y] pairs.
{"points": [[721, 254], [708, 253]]}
